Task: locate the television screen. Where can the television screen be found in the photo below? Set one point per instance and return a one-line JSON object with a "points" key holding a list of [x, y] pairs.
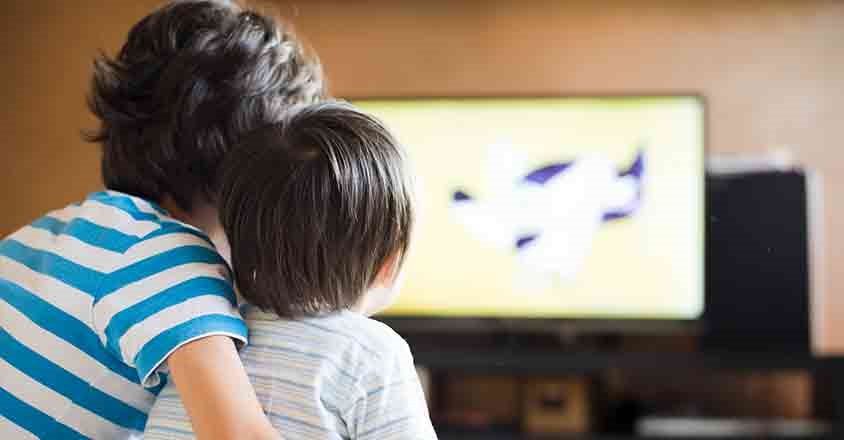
{"points": [[564, 208]]}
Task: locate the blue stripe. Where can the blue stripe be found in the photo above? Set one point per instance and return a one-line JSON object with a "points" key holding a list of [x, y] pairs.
{"points": [[156, 207], [155, 351], [39, 424], [159, 263], [50, 224], [55, 266], [64, 326], [88, 232], [199, 286], [162, 382], [61, 381], [125, 204], [178, 228]]}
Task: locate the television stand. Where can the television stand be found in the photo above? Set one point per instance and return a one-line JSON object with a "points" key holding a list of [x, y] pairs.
{"points": [[541, 362]]}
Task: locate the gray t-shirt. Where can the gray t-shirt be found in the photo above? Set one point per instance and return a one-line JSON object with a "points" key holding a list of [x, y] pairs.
{"points": [[341, 376]]}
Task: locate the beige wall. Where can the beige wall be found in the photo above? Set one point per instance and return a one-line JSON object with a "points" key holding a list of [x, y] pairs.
{"points": [[773, 73]]}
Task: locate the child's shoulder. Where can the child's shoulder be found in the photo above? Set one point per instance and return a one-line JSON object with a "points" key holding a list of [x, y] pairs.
{"points": [[369, 333], [344, 335], [138, 230], [124, 225]]}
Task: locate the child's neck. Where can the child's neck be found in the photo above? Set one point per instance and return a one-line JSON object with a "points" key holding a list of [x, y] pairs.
{"points": [[202, 216]]}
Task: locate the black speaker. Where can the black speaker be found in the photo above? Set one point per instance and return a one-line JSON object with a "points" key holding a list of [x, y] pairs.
{"points": [[758, 276]]}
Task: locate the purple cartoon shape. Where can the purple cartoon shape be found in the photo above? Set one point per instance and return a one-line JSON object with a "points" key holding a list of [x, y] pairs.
{"points": [[550, 215]]}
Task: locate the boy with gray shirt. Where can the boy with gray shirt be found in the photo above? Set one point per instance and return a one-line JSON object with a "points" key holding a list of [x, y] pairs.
{"points": [[318, 209]]}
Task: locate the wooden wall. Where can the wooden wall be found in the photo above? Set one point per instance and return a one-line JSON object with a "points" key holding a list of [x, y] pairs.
{"points": [[772, 71]]}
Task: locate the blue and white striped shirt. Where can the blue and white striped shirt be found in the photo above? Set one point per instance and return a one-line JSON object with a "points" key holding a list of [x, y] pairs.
{"points": [[341, 376], [93, 298]]}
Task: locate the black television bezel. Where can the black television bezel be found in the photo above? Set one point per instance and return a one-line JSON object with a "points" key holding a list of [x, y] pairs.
{"points": [[410, 324]]}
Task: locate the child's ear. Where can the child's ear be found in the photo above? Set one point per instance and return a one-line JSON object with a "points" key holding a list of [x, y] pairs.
{"points": [[387, 274], [384, 289]]}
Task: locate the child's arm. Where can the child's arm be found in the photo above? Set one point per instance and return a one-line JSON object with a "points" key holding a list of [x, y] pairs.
{"points": [[217, 393], [173, 307], [390, 403]]}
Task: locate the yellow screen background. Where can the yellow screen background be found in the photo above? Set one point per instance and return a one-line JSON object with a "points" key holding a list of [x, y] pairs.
{"points": [[647, 266]]}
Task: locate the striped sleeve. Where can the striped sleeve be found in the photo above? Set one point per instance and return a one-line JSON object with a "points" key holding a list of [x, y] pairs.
{"points": [[389, 403], [175, 289]]}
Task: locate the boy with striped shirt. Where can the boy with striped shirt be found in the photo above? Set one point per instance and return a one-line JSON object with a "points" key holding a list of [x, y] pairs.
{"points": [[99, 300]]}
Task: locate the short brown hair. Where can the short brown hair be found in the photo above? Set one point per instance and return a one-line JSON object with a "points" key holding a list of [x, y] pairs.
{"points": [[314, 206], [191, 79]]}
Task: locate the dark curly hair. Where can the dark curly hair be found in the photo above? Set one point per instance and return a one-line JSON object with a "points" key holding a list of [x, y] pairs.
{"points": [[314, 206], [191, 79]]}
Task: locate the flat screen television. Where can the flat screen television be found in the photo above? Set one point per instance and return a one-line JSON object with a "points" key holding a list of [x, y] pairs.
{"points": [[553, 208]]}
